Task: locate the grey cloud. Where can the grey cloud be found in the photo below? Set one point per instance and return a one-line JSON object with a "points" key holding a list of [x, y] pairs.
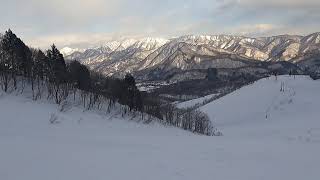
{"points": [[75, 22], [281, 3]]}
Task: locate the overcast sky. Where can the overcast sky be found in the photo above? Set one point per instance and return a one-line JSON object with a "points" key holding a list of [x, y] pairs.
{"points": [[87, 22]]}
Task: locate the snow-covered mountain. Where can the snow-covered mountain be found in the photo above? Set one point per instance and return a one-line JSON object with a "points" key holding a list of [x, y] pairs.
{"points": [[66, 51], [157, 56], [143, 43], [118, 57]]}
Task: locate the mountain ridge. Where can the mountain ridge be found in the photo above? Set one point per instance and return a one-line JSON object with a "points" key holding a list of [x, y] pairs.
{"points": [[187, 52]]}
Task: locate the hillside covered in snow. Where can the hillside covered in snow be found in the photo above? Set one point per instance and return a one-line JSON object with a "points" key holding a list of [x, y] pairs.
{"points": [[271, 130]]}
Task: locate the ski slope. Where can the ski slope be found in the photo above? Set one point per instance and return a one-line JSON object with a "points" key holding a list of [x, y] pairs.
{"points": [[262, 109], [195, 102], [88, 145]]}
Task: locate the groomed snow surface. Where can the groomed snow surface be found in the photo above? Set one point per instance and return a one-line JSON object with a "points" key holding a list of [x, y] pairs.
{"points": [[268, 135], [195, 102]]}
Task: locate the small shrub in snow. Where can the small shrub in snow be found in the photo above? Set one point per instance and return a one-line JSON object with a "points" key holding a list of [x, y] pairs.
{"points": [[53, 119], [64, 106]]}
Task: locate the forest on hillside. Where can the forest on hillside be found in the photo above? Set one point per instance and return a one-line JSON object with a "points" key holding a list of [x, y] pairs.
{"points": [[49, 76]]}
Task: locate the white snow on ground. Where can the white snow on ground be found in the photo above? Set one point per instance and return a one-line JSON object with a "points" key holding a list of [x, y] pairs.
{"points": [[194, 102], [263, 107], [85, 145]]}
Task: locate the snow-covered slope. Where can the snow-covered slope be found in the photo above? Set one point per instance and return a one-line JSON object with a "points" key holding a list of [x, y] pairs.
{"points": [[196, 102], [261, 109], [86, 145]]}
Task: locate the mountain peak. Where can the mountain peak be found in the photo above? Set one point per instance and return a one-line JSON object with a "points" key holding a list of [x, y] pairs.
{"points": [[66, 51], [313, 38], [146, 43]]}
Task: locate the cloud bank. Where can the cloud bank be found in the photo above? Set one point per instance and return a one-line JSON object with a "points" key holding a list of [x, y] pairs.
{"points": [[81, 22]]}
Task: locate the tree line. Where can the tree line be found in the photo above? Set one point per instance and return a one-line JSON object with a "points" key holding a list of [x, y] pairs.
{"points": [[51, 77]]}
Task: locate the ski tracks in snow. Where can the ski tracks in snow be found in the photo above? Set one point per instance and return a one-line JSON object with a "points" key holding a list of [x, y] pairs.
{"points": [[284, 98]]}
